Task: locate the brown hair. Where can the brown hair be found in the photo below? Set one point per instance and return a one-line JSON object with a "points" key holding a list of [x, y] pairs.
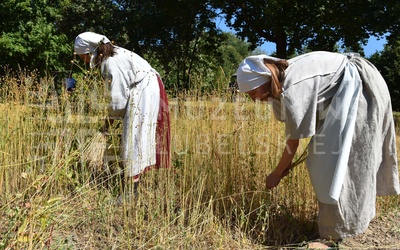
{"points": [[277, 69], [104, 51]]}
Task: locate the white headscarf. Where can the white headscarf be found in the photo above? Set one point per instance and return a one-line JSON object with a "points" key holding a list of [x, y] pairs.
{"points": [[252, 72], [87, 42]]}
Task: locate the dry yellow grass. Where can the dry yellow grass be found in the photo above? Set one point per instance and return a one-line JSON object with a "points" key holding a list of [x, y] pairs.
{"points": [[213, 198]]}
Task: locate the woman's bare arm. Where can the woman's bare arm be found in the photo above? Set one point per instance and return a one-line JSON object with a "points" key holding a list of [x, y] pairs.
{"points": [[284, 164]]}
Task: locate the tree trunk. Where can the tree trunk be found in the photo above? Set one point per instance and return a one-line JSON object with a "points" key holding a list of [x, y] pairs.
{"points": [[281, 45]]}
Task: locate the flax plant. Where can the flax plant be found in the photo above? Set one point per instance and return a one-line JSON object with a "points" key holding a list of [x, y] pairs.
{"points": [[213, 197]]}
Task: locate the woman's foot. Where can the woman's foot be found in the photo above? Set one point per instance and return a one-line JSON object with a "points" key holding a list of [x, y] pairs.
{"points": [[323, 244], [317, 245]]}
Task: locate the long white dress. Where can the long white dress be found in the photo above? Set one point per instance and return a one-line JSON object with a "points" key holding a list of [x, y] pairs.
{"points": [[135, 96], [344, 105]]}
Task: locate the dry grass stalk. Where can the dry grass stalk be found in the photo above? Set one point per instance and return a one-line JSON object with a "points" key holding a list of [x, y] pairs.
{"points": [[93, 152], [213, 197]]}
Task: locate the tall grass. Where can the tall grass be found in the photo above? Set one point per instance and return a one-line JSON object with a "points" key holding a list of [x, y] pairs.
{"points": [[214, 197]]}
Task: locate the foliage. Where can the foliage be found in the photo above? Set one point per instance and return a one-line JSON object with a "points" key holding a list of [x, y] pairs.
{"points": [[232, 51], [388, 63], [392, 22], [180, 38], [180, 35], [77, 16], [319, 24], [174, 37], [29, 37]]}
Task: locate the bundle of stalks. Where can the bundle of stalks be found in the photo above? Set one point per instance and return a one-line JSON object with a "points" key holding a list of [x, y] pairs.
{"points": [[93, 153], [301, 158]]}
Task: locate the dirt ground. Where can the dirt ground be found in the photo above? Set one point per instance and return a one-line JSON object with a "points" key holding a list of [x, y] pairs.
{"points": [[382, 233]]}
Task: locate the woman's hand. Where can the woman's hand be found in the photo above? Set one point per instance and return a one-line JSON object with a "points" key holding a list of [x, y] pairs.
{"points": [[273, 179], [284, 165]]}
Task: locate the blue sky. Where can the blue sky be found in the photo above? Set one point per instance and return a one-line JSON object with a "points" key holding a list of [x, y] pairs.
{"points": [[374, 45]]}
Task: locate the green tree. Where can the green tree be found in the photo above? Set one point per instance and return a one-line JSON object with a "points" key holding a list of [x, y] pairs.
{"points": [[388, 63], [100, 16], [181, 35], [392, 22], [232, 51], [318, 24], [29, 37]]}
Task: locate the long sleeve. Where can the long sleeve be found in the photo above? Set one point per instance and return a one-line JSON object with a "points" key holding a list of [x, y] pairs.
{"points": [[118, 91]]}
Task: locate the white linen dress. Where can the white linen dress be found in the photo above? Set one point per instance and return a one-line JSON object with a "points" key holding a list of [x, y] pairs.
{"points": [[342, 103], [135, 96]]}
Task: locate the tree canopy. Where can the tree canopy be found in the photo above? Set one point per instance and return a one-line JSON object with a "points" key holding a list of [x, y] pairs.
{"points": [[388, 63], [181, 38], [317, 24], [29, 36]]}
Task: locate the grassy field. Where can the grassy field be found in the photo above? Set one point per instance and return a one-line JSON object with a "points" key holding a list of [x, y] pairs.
{"points": [[214, 197]]}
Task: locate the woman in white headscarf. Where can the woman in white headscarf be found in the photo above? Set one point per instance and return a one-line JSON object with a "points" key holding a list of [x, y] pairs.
{"points": [[343, 104], [138, 96]]}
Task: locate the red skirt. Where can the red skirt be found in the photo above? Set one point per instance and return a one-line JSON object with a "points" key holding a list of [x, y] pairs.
{"points": [[163, 130]]}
